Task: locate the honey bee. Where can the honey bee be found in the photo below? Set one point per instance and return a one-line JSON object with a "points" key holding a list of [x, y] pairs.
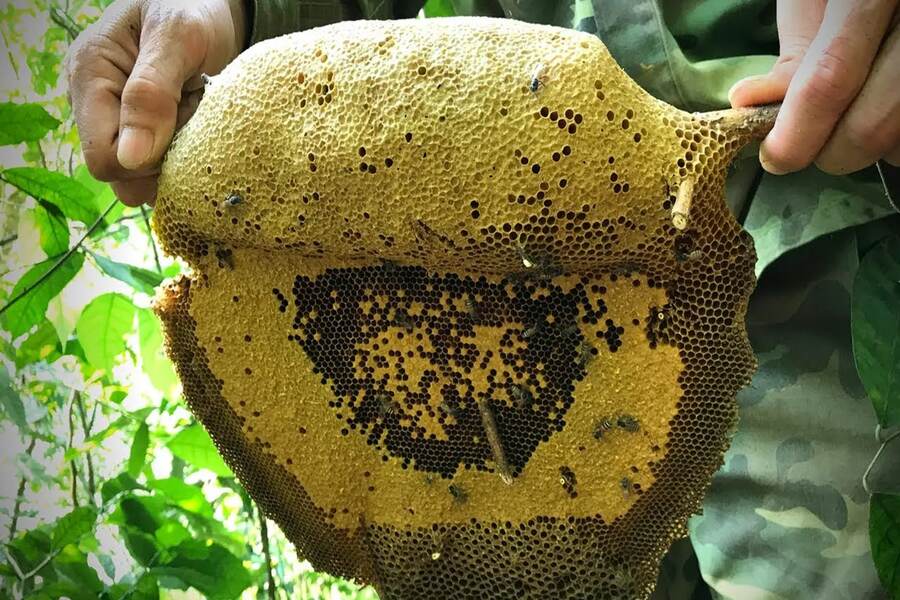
{"points": [[522, 395], [584, 354], [459, 495], [602, 426], [532, 331], [225, 258], [536, 81], [386, 405], [437, 545], [404, 320], [567, 477], [529, 261], [451, 410], [628, 423], [625, 484], [472, 308]]}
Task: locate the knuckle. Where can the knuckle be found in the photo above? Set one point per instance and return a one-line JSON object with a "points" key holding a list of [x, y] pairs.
{"points": [[833, 80], [101, 164]]}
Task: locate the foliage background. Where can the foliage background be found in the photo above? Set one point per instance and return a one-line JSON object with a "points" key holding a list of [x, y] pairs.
{"points": [[108, 488]]}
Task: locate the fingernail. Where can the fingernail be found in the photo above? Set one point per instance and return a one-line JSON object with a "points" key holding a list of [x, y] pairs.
{"points": [[135, 147], [766, 162], [743, 82]]}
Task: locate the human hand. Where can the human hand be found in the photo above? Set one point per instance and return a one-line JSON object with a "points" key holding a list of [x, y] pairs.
{"points": [[134, 78], [839, 77]]}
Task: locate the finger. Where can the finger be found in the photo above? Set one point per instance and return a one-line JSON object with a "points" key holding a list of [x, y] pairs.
{"points": [[172, 49], [893, 157], [828, 79], [136, 191], [97, 67], [798, 22], [871, 127]]}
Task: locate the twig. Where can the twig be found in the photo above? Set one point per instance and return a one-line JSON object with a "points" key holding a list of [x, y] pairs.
{"points": [[20, 493], [267, 555], [60, 262], [62, 19], [152, 241], [41, 154], [92, 488], [72, 466]]}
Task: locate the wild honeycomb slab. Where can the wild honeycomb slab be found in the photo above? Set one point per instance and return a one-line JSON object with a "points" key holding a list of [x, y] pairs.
{"points": [[442, 322]]}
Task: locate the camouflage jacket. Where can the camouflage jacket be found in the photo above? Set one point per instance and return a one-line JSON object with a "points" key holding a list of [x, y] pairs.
{"points": [[786, 516]]}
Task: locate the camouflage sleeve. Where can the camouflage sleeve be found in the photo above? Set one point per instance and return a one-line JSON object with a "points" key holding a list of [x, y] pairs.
{"points": [[271, 18]]}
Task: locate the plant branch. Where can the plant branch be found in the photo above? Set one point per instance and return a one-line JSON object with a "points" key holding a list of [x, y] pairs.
{"points": [[41, 154], [62, 19], [60, 262], [72, 466], [20, 494], [152, 241], [86, 429], [267, 555]]}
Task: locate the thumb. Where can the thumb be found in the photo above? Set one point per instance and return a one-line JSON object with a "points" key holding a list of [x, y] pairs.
{"points": [[798, 23], [171, 50]]}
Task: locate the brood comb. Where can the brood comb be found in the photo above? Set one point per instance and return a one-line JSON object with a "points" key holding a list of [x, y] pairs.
{"points": [[466, 308]]}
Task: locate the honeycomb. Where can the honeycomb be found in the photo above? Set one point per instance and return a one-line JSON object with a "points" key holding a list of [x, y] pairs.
{"points": [[465, 313]]}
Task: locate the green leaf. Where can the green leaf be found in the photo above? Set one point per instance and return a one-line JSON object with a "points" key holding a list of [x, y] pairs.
{"points": [[147, 588], [30, 310], [102, 193], [123, 482], [439, 8], [186, 496], [154, 361], [143, 513], [102, 328], [193, 445], [71, 527], [884, 536], [875, 325], [141, 546], [13, 409], [74, 200], [42, 345], [71, 563], [140, 279], [53, 228], [138, 454], [171, 534], [24, 123], [211, 569]]}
